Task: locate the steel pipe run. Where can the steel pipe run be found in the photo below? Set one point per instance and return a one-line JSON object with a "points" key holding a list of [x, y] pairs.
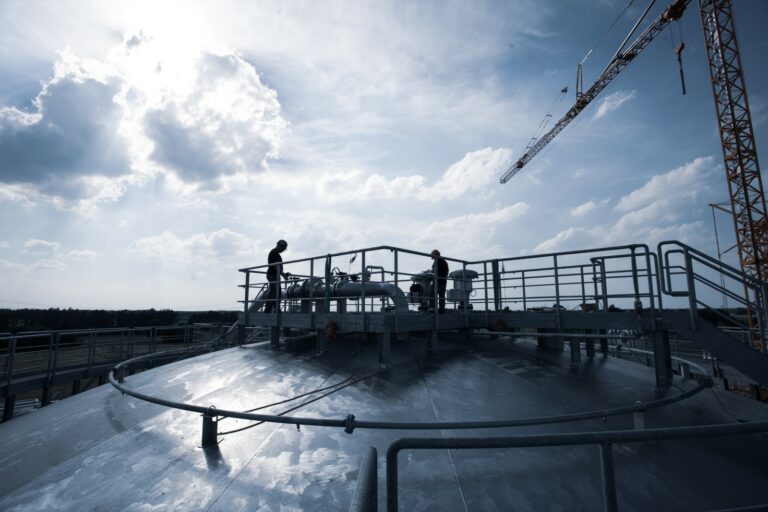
{"points": [[603, 439], [314, 287]]}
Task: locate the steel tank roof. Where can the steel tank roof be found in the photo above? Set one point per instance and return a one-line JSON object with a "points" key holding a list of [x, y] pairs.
{"points": [[100, 450]]}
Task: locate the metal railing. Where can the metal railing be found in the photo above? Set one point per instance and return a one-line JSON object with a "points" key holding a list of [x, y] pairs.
{"points": [[599, 279], [703, 275], [42, 360], [604, 440]]}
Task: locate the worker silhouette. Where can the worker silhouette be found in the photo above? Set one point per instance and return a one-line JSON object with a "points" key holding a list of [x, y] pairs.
{"points": [[440, 270], [274, 272]]}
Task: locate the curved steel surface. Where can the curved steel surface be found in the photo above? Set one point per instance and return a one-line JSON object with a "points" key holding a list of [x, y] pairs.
{"points": [[349, 423]]}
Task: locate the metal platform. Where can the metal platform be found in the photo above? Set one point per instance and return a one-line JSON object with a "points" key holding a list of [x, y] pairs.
{"points": [[100, 450]]}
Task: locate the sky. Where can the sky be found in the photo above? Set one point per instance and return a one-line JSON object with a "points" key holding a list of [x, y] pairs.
{"points": [[148, 150]]}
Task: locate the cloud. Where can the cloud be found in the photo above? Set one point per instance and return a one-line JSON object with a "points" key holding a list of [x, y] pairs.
{"points": [[470, 236], [223, 121], [83, 254], [473, 173], [686, 181], [583, 209], [4, 244], [223, 244], [41, 247], [660, 209], [47, 264], [73, 131], [570, 238], [7, 266], [99, 127], [613, 102]]}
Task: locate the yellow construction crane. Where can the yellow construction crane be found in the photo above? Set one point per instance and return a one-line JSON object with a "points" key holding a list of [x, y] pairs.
{"points": [[732, 110]]}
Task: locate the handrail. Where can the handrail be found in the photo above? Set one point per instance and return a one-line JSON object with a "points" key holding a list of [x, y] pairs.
{"points": [[349, 423], [354, 251], [602, 438]]}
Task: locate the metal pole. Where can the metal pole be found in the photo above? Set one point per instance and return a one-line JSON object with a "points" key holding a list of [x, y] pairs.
{"points": [[362, 289], [692, 306], [365, 498], [245, 301], [609, 478]]}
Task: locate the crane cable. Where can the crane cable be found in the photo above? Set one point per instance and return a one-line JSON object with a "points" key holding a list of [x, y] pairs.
{"points": [[589, 53], [547, 118]]}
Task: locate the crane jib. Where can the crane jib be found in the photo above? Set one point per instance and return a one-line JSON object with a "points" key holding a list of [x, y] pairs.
{"points": [[617, 64]]}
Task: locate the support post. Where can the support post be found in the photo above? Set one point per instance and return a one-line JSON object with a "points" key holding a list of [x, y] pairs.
{"points": [[76, 385], [603, 343], [322, 341], [575, 351], [638, 418], [590, 345], [384, 348], [366, 493], [609, 478], [210, 428], [662, 358], [10, 404]]}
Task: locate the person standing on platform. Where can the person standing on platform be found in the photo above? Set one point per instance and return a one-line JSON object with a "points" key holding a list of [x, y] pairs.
{"points": [[440, 270], [274, 272]]}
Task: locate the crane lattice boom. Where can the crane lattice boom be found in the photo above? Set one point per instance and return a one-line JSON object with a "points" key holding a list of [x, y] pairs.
{"points": [[619, 62]]}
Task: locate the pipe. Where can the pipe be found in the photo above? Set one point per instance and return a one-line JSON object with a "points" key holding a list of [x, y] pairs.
{"points": [[351, 289]]}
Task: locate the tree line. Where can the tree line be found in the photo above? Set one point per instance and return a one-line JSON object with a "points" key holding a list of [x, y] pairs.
{"points": [[52, 319]]}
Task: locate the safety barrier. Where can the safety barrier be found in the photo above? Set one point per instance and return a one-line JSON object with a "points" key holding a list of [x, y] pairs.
{"points": [[604, 440]]}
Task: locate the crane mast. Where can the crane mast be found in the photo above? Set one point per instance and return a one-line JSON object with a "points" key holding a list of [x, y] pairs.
{"points": [[736, 136]]}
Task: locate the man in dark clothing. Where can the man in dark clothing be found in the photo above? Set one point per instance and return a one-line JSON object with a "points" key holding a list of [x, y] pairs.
{"points": [[273, 275], [440, 269]]}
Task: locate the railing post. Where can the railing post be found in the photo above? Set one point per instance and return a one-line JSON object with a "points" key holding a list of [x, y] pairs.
{"points": [[245, 298], [210, 428], [391, 461], [365, 498], [662, 358], [635, 281], [466, 302], [557, 292], [525, 297], [362, 289], [609, 478], [692, 305], [10, 396], [497, 306], [485, 281], [397, 284]]}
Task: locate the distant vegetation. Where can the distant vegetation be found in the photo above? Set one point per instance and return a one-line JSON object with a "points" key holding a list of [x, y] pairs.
{"points": [[19, 320]]}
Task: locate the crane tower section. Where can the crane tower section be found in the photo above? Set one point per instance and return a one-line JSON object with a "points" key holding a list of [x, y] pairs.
{"points": [[738, 142]]}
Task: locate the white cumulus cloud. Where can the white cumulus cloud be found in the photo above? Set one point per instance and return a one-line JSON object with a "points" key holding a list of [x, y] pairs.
{"points": [[222, 244], [613, 102], [41, 247]]}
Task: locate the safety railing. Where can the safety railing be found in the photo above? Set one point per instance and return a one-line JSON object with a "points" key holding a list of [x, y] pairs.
{"points": [[41, 360], [599, 279], [212, 415], [359, 281], [589, 280], [604, 441], [701, 280]]}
